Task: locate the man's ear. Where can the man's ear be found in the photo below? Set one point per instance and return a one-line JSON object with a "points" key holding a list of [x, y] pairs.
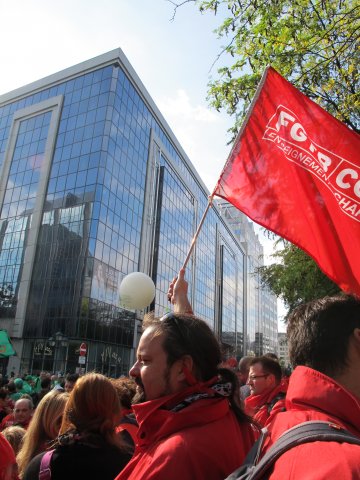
{"points": [[185, 369], [271, 380]]}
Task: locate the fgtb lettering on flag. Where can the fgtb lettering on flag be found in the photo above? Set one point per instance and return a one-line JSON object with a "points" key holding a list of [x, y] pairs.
{"points": [[295, 170], [339, 175]]}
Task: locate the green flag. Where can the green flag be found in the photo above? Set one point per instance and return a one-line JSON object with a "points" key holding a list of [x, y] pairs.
{"points": [[6, 349]]}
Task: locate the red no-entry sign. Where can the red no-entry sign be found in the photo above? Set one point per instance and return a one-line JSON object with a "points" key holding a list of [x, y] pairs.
{"points": [[83, 350]]}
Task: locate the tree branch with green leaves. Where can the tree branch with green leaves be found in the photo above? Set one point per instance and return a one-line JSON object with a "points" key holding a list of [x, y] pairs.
{"points": [[312, 43], [295, 277]]}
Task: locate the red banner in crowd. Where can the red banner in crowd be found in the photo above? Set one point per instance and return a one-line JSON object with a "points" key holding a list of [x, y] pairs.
{"points": [[295, 170]]}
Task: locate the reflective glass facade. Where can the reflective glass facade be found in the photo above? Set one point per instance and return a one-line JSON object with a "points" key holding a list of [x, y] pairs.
{"points": [[94, 186], [260, 323], [19, 200]]}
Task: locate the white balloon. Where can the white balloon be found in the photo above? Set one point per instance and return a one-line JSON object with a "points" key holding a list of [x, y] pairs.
{"points": [[137, 291]]}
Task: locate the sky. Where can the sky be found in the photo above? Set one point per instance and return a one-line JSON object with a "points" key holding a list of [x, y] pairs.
{"points": [[174, 58]]}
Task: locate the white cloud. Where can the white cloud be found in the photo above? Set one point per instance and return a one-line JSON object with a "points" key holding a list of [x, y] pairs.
{"points": [[42, 37], [171, 58], [202, 132], [180, 106]]}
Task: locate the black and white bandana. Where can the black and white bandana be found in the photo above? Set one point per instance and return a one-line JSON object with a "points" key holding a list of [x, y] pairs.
{"points": [[216, 390]]}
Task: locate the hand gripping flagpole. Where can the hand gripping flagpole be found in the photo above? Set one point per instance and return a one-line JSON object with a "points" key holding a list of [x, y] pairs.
{"points": [[197, 231]]}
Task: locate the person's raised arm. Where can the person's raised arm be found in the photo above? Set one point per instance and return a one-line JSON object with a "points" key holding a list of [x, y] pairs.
{"points": [[177, 294]]}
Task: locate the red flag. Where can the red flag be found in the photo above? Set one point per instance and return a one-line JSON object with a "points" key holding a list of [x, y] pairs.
{"points": [[295, 170]]}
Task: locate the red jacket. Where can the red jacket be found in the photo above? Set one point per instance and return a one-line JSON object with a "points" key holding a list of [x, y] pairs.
{"points": [[257, 406], [314, 396], [127, 425], [9, 421], [202, 441]]}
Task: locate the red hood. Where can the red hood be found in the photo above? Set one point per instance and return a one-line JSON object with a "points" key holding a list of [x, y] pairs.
{"points": [[310, 389]]}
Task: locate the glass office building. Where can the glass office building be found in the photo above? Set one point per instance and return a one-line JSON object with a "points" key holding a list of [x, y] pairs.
{"points": [[93, 186], [260, 327]]}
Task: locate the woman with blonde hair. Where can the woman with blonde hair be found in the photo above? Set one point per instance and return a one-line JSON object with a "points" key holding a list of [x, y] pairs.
{"points": [[43, 429], [87, 445], [14, 435]]}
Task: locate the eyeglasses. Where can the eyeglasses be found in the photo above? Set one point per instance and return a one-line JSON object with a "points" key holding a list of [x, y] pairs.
{"points": [[254, 377]]}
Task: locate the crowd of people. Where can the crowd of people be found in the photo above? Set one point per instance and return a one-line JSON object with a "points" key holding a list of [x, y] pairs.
{"points": [[185, 413]]}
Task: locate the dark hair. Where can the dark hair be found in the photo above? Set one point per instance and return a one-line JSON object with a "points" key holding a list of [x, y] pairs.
{"points": [[319, 331], [11, 387], [189, 335], [269, 366], [126, 389], [3, 393], [72, 377], [244, 364], [272, 355], [45, 382]]}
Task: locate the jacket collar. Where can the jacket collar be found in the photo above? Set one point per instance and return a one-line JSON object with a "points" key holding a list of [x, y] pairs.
{"points": [[310, 389], [156, 419], [254, 402]]}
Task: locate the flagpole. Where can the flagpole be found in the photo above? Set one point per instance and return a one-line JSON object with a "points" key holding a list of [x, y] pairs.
{"points": [[257, 93], [198, 231]]}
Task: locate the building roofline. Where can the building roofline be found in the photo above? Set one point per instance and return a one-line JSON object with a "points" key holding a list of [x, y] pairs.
{"points": [[61, 76], [113, 57]]}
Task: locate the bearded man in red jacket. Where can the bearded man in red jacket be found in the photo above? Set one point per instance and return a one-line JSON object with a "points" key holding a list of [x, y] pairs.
{"points": [[324, 346], [190, 423], [267, 394]]}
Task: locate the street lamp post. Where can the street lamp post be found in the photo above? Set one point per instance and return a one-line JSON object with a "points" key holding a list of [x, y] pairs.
{"points": [[58, 341]]}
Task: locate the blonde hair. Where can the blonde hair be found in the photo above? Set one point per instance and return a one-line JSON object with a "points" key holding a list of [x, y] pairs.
{"points": [[14, 435], [44, 427], [93, 408]]}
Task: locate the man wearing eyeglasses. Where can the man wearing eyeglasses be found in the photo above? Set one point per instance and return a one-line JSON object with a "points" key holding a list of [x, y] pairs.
{"points": [[267, 395], [190, 423]]}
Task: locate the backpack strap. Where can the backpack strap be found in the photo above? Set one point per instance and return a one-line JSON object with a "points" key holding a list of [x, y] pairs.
{"points": [[45, 470], [251, 458], [311, 431]]}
